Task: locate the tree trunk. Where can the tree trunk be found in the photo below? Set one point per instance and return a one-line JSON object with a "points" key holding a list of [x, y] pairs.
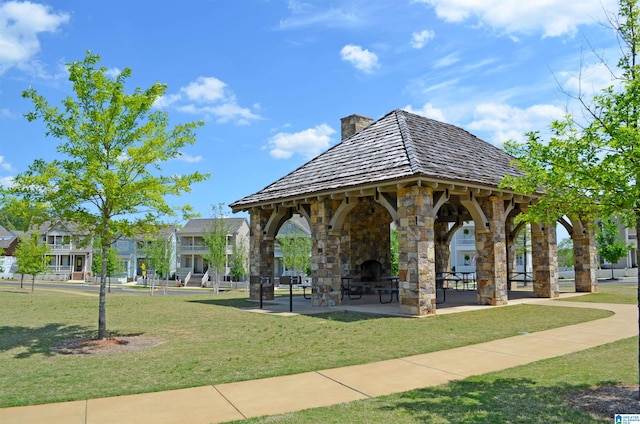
{"points": [[638, 282], [102, 310], [33, 283]]}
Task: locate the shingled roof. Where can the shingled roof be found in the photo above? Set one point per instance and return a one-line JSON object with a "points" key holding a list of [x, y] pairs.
{"points": [[399, 146]]}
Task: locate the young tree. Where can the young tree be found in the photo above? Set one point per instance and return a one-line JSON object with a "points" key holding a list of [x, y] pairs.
{"points": [[611, 247], [31, 257], [159, 252], [296, 251], [109, 178], [239, 261], [112, 263], [591, 170], [216, 241], [565, 253]]}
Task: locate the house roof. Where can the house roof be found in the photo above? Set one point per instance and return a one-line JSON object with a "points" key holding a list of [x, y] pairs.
{"points": [[399, 146], [202, 225]]}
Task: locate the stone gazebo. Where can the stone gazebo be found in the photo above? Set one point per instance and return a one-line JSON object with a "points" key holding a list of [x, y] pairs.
{"points": [[428, 178]]}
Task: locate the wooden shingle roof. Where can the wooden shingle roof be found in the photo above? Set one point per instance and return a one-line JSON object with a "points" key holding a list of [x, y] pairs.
{"points": [[399, 146]]}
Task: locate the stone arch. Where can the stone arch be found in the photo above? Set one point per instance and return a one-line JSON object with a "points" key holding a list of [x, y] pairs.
{"points": [[276, 219], [365, 236], [338, 218]]}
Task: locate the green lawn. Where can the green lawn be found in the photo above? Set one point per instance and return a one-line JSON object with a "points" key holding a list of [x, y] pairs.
{"points": [[611, 293], [533, 393], [209, 341]]}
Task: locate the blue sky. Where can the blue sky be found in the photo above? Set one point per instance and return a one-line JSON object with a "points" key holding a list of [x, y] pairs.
{"points": [[272, 78]]}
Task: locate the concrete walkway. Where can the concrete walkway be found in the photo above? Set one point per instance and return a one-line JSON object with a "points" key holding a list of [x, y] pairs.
{"points": [[270, 396]]}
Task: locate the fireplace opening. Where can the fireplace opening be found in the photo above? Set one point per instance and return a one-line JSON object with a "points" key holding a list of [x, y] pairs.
{"points": [[370, 270]]}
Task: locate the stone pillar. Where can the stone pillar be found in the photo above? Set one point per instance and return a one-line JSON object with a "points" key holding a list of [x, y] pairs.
{"points": [[261, 259], [585, 256], [544, 253], [325, 254], [443, 252], [416, 245], [512, 254], [491, 255]]}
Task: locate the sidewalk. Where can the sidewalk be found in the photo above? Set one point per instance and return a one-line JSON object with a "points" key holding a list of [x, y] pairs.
{"points": [[270, 396]]}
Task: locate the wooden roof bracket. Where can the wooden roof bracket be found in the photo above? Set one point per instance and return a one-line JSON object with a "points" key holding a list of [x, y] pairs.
{"points": [[386, 201], [479, 218]]}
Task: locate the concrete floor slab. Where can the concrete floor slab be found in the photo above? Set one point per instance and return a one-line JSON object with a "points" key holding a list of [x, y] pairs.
{"points": [[277, 395], [197, 405]]}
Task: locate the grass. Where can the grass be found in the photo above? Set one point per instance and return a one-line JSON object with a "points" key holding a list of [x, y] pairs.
{"points": [[531, 393], [610, 292], [209, 341]]}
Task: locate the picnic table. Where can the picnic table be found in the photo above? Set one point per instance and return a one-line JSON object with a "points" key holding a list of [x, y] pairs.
{"points": [[355, 289]]}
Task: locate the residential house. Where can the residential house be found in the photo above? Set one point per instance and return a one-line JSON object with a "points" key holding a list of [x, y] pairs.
{"points": [[70, 251], [193, 268], [463, 253], [629, 237], [8, 243], [132, 256]]}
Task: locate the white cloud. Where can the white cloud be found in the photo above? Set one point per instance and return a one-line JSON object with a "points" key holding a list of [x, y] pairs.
{"points": [[361, 58], [6, 182], [420, 39], [448, 60], [589, 80], [308, 143], [428, 111], [189, 159], [205, 89], [20, 24], [113, 72], [6, 166], [304, 15], [550, 17], [210, 97], [505, 122], [166, 101]]}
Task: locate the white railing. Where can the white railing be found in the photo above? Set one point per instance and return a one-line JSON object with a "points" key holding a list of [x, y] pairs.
{"points": [[205, 279], [59, 268], [187, 278], [60, 246], [194, 247], [466, 242]]}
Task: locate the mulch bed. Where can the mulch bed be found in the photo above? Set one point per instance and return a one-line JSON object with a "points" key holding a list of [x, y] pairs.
{"points": [[120, 344], [606, 401]]}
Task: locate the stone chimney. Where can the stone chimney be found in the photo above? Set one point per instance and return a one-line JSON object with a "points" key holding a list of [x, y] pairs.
{"points": [[354, 123]]}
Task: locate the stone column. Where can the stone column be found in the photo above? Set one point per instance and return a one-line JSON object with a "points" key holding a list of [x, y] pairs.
{"points": [[261, 259], [585, 256], [416, 245], [443, 253], [512, 254], [544, 253], [325, 254], [491, 255]]}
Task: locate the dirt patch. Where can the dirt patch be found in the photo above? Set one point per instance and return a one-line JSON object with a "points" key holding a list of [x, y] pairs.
{"points": [[606, 401], [111, 345]]}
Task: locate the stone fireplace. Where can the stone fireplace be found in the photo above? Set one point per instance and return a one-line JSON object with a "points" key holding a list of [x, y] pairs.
{"points": [[370, 270]]}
